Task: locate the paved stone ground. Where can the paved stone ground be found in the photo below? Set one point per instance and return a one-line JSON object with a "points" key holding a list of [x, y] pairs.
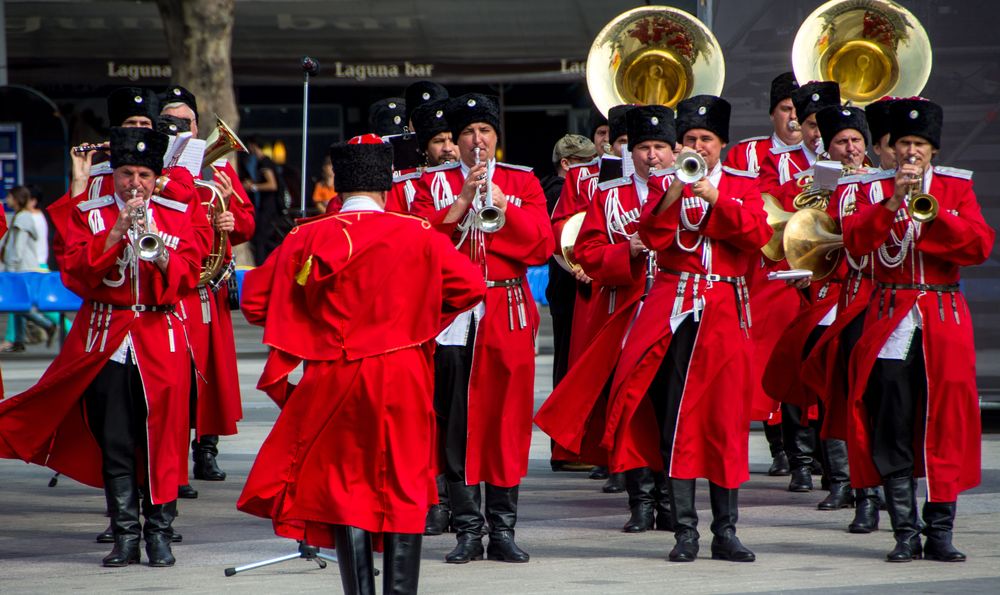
{"points": [[571, 529]]}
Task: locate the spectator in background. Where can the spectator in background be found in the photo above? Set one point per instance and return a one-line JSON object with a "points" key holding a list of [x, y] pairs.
{"points": [[18, 253], [323, 192], [264, 190]]}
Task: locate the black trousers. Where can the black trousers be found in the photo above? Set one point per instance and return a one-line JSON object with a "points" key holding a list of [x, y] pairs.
{"points": [[667, 387], [452, 370], [896, 399], [116, 413]]}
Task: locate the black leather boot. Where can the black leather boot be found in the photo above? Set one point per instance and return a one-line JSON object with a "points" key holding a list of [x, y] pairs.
{"points": [[501, 513], [467, 520], [204, 451], [866, 503], [615, 484], [108, 535], [123, 496], [779, 460], [939, 518], [661, 492], [401, 563], [839, 476], [901, 503], [186, 491], [158, 532], [685, 521], [599, 472], [779, 465], [439, 515], [801, 480], [354, 558], [640, 485], [725, 512], [799, 440]]}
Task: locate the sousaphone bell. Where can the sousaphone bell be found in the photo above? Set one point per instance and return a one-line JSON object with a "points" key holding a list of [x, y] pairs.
{"points": [[812, 241]]}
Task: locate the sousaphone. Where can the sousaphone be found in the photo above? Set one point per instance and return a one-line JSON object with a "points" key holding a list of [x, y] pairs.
{"points": [[653, 55], [871, 48]]}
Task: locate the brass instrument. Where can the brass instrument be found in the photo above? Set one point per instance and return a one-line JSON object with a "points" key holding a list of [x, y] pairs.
{"points": [[923, 207], [221, 141], [811, 241], [567, 239], [148, 246], [653, 55], [872, 48], [690, 167], [810, 197], [777, 218], [489, 218]]}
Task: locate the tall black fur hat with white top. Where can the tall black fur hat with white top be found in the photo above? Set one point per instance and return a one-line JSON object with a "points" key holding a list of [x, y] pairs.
{"points": [[916, 117], [429, 120], [814, 96], [387, 116], [650, 122], [125, 102], [704, 111], [469, 109], [833, 119], [178, 94], [138, 147], [423, 92]]}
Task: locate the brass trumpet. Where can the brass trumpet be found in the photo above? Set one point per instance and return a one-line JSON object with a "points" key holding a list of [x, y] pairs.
{"points": [[923, 207], [489, 218], [691, 167], [148, 246]]}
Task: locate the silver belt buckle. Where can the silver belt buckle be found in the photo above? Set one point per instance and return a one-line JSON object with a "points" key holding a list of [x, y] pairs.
{"points": [[713, 277], [139, 308]]}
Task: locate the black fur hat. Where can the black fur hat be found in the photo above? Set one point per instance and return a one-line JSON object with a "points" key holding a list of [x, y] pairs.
{"points": [[916, 117], [814, 96], [363, 164], [832, 120], [470, 108], [125, 102], [650, 122], [878, 117], [616, 121], [387, 116], [782, 87], [596, 121], [178, 94], [704, 111], [171, 126], [422, 92], [429, 121], [138, 146]]}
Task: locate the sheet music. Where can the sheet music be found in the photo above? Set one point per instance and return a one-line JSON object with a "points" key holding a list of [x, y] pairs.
{"points": [[191, 157], [175, 146]]}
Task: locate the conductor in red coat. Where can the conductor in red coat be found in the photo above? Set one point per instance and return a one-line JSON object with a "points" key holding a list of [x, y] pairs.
{"points": [[914, 403], [120, 385], [485, 361], [351, 459]]}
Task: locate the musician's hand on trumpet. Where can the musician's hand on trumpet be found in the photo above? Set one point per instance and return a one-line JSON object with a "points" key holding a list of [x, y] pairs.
{"points": [[126, 217], [908, 176]]}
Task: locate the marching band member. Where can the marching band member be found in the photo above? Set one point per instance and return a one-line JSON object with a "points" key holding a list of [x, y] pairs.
{"points": [[689, 349], [434, 138], [350, 461], [421, 93], [612, 254], [485, 361], [877, 113], [387, 116], [120, 384], [846, 137], [774, 304], [914, 404], [216, 399]]}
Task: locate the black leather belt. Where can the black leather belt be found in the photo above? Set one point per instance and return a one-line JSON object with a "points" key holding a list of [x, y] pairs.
{"points": [[504, 282], [708, 277], [165, 309], [940, 287]]}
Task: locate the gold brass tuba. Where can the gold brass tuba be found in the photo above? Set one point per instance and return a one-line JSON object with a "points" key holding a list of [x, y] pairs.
{"points": [[653, 55], [221, 141], [872, 48], [811, 242]]}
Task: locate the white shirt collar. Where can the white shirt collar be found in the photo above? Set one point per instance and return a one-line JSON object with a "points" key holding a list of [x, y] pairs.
{"points": [[360, 202], [715, 176], [489, 167], [641, 187], [776, 141]]}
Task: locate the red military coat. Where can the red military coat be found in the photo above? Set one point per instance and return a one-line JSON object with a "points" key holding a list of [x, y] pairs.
{"points": [[404, 189], [60, 212], [714, 418], [46, 423], [781, 165], [210, 324], [577, 193], [3, 230], [355, 441], [948, 452], [501, 388], [750, 153], [574, 414]]}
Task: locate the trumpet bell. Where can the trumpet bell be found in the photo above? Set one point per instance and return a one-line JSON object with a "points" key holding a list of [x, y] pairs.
{"points": [[220, 142], [490, 219], [811, 242], [150, 246], [872, 48], [567, 240], [653, 55], [923, 207], [691, 167], [777, 218]]}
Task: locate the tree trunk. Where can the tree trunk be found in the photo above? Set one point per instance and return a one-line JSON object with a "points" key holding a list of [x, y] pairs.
{"points": [[199, 39]]}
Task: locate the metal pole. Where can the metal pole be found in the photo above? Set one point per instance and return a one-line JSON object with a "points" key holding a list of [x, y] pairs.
{"points": [[3, 45], [305, 141]]}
